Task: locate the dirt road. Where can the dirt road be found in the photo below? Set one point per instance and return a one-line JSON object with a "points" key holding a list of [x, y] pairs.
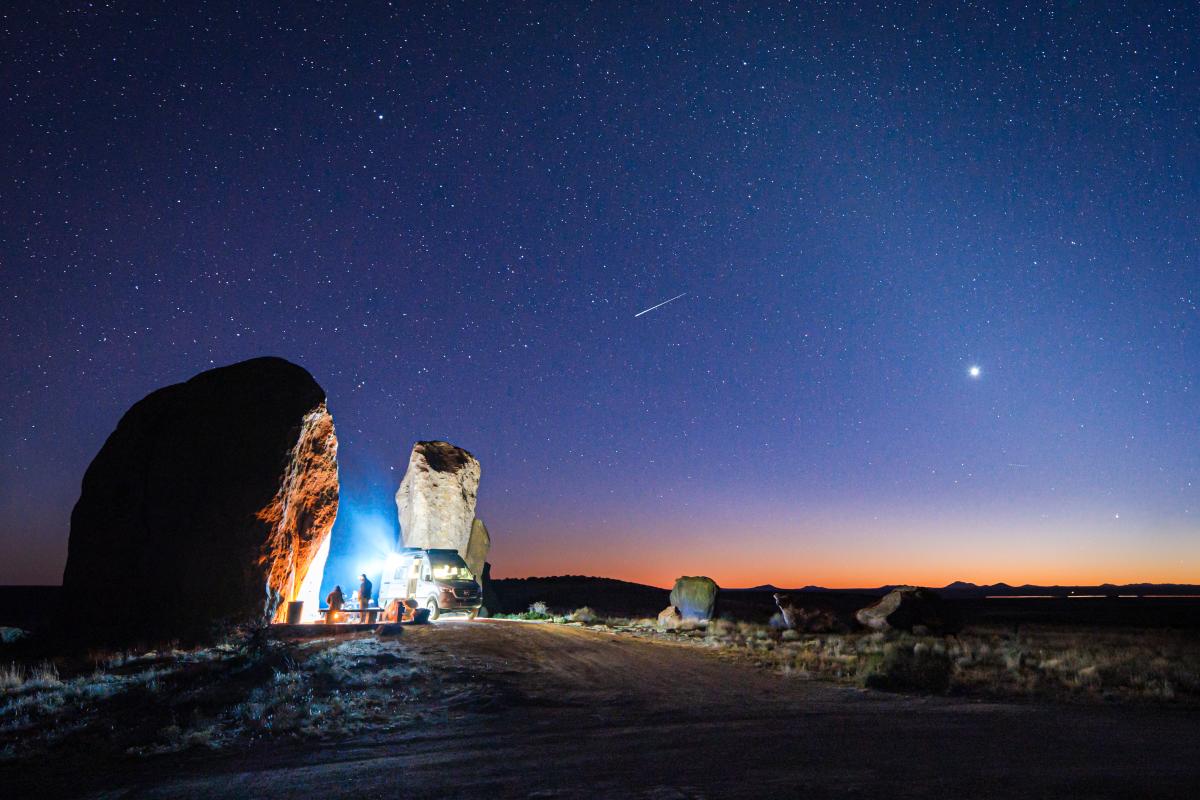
{"points": [[568, 712]]}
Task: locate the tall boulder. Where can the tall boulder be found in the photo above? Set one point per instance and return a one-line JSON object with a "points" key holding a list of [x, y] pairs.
{"points": [[695, 597], [436, 499], [211, 504], [909, 608], [478, 545]]}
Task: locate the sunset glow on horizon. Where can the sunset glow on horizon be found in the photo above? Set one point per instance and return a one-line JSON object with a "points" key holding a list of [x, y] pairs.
{"points": [[865, 561]]}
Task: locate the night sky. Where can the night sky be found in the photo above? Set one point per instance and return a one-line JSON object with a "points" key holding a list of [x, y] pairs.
{"points": [[451, 217]]}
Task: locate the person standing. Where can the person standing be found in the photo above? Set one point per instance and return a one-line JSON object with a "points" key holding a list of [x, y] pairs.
{"points": [[364, 596], [335, 601]]}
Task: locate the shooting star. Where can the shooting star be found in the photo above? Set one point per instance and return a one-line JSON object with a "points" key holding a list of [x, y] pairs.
{"points": [[660, 305]]}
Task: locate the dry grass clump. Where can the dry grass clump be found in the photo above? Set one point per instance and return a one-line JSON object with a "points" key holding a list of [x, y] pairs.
{"points": [[38, 708], [920, 668], [332, 691], [1103, 664], [1047, 662], [167, 701], [585, 615], [40, 676]]}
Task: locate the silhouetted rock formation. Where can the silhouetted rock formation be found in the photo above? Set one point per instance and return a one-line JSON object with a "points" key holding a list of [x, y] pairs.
{"points": [[695, 597], [909, 608], [807, 620], [436, 499], [211, 504]]}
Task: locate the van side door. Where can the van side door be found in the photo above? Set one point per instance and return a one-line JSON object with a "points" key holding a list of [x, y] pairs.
{"points": [[414, 574]]}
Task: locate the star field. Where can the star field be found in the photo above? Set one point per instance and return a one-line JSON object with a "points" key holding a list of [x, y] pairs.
{"points": [[451, 215]]}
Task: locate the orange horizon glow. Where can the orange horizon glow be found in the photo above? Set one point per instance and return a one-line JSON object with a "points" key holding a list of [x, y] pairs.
{"points": [[736, 581], [841, 550]]}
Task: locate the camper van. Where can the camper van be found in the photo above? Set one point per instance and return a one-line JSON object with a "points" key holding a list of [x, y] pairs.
{"points": [[437, 579]]}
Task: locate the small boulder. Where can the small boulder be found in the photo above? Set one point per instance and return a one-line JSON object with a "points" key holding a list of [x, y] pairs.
{"points": [[907, 608], [806, 620], [10, 635], [694, 597], [669, 619]]}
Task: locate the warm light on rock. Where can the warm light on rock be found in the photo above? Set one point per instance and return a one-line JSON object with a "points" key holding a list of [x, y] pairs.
{"points": [[301, 517], [210, 505]]}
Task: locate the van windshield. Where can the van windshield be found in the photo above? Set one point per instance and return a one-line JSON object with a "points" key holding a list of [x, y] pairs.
{"points": [[450, 568]]}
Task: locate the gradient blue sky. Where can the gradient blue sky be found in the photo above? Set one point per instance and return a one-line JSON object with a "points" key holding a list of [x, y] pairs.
{"points": [[451, 216]]}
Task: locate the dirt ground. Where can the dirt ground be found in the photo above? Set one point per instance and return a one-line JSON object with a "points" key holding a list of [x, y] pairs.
{"points": [[563, 711]]}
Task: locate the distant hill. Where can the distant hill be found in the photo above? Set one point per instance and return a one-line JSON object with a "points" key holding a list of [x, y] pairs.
{"points": [[615, 598], [564, 593]]}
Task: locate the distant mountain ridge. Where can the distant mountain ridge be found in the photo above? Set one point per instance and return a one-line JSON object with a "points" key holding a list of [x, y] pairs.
{"points": [[955, 589], [965, 589]]}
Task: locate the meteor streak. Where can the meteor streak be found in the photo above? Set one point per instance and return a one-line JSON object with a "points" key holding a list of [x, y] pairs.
{"points": [[660, 305]]}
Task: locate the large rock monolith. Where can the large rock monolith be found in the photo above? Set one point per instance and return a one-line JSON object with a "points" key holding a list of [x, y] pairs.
{"points": [[909, 608], [695, 597], [436, 499], [210, 505]]}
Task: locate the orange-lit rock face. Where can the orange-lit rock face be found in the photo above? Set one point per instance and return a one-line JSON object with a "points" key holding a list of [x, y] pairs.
{"points": [[209, 506], [301, 516]]}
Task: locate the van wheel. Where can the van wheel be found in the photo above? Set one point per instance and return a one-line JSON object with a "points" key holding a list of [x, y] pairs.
{"points": [[434, 611]]}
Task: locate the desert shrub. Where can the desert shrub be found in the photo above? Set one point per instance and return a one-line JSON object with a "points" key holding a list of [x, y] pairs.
{"points": [[901, 668], [721, 628], [584, 615], [532, 615], [253, 640], [538, 610], [12, 676]]}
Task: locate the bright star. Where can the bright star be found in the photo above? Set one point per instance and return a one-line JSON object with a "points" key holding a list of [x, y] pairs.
{"points": [[974, 371]]}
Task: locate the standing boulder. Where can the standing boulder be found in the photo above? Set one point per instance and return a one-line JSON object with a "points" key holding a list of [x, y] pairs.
{"points": [[478, 545], [436, 499], [694, 597], [909, 608], [211, 504]]}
